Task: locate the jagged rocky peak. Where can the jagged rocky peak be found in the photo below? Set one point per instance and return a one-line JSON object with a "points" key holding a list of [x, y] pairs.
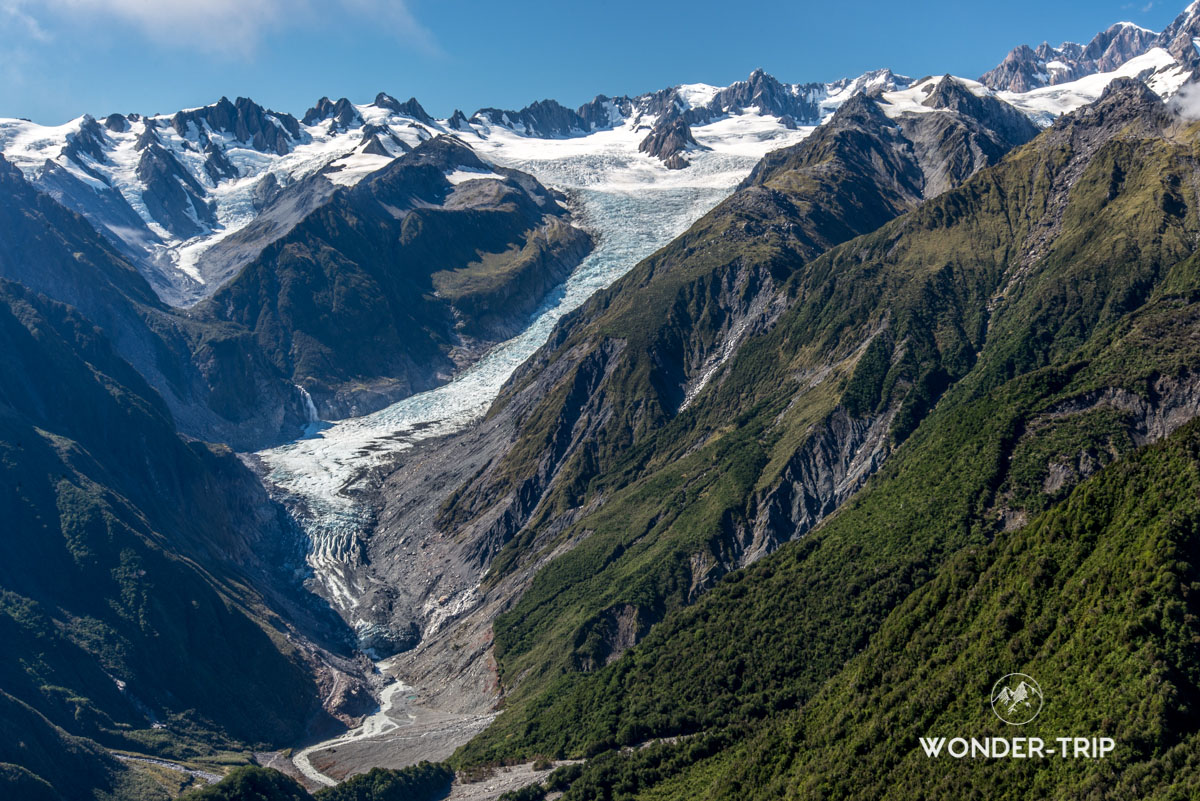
{"points": [[953, 95], [544, 118], [1126, 101], [1025, 68], [447, 153], [1116, 45], [248, 122], [1127, 108], [216, 165], [1020, 71], [1180, 36], [605, 112], [663, 104], [343, 114], [669, 141], [950, 93], [382, 141], [859, 109], [873, 82], [458, 121], [409, 108], [763, 91], [117, 123], [9, 171], [148, 136], [266, 190]]}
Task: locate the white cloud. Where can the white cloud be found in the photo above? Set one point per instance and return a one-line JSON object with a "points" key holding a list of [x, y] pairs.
{"points": [[11, 14], [1186, 102], [230, 27]]}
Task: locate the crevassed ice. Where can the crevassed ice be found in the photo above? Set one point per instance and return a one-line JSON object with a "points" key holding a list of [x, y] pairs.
{"points": [[630, 202]]}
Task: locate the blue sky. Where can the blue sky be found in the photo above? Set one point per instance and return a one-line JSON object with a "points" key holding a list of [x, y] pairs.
{"points": [[61, 58]]}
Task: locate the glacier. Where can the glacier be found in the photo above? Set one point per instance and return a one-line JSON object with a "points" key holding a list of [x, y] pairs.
{"points": [[631, 202]]}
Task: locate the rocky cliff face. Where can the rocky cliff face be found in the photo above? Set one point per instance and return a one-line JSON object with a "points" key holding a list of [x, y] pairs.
{"points": [[365, 266], [669, 142], [545, 118], [246, 121], [1180, 36]]}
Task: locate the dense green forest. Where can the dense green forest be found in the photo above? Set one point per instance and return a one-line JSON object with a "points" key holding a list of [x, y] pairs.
{"points": [[1025, 331]]}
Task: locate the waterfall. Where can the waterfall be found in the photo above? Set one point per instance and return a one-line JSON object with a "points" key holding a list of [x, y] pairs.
{"points": [[310, 408]]}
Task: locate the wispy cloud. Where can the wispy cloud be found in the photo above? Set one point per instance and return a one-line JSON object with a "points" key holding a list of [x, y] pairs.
{"points": [[14, 19], [228, 27], [397, 18]]}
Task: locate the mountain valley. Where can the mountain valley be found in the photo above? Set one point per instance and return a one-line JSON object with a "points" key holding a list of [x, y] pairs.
{"points": [[671, 446]]}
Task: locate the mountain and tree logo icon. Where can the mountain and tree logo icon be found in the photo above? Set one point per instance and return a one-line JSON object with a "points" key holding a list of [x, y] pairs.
{"points": [[1016, 698]]}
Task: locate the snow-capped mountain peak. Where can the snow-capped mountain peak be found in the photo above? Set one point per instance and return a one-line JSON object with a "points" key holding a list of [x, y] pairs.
{"points": [[168, 190]]}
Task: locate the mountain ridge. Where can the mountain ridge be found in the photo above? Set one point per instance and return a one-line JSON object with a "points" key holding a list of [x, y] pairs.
{"points": [[1026, 68]]}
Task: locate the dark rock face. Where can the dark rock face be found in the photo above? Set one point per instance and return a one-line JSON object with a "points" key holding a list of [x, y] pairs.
{"points": [[173, 197], [1179, 37], [545, 118], [375, 137], [250, 123], [409, 108], [952, 147], [342, 114], [280, 209], [148, 136], [669, 142], [604, 112], [266, 190], [1113, 47], [217, 166], [88, 141], [1020, 71]]}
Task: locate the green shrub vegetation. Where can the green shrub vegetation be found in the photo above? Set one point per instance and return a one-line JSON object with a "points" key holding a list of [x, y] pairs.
{"points": [[424, 782]]}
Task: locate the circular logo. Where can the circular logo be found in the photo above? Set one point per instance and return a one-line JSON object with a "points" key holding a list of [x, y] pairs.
{"points": [[1016, 699]]}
